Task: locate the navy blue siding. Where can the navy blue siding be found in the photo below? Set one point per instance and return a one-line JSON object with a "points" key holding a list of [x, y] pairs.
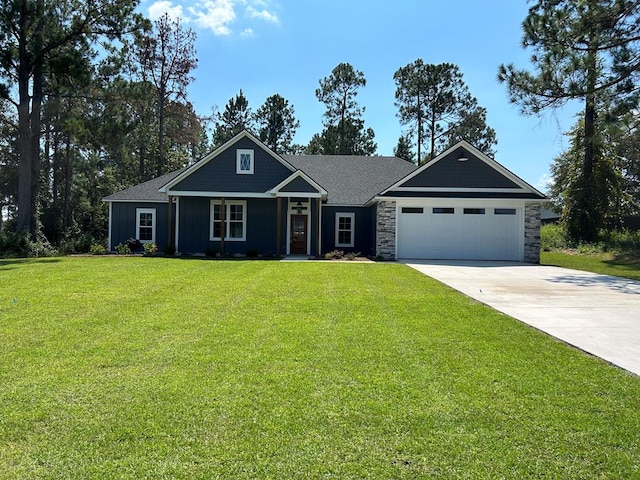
{"points": [[261, 227], [219, 174], [363, 229], [299, 184], [123, 222], [449, 172]]}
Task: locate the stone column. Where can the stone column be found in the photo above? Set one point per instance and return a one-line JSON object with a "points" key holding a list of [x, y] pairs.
{"points": [[532, 232], [386, 230]]}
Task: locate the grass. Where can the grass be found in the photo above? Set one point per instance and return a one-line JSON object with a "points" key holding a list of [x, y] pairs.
{"points": [[608, 263], [162, 368]]}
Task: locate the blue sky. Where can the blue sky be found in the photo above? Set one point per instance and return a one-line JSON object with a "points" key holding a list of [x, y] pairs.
{"points": [[286, 46]]}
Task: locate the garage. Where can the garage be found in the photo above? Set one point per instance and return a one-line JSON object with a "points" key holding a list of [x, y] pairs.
{"points": [[466, 230]]}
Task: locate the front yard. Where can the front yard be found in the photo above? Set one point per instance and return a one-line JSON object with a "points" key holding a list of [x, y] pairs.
{"points": [[163, 368]]}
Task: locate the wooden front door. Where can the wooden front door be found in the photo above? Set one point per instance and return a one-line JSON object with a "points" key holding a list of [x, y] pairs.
{"points": [[298, 235]]}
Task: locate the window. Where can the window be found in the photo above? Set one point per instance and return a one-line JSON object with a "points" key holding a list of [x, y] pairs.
{"points": [[412, 210], [235, 217], [345, 223], [447, 210], [504, 211], [146, 225], [244, 162], [474, 211]]}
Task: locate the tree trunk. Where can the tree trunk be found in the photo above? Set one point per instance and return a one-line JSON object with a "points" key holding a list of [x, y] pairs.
{"points": [[161, 99], [68, 175], [590, 214], [24, 130]]}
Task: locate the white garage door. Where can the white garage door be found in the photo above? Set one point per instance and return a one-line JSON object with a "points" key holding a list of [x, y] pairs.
{"points": [[481, 231]]}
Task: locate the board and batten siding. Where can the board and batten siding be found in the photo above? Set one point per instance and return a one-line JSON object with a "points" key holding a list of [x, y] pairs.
{"points": [[261, 225], [219, 174], [362, 235], [123, 222]]}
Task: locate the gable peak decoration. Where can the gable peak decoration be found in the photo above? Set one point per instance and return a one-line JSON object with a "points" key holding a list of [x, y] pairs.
{"points": [[215, 153]]}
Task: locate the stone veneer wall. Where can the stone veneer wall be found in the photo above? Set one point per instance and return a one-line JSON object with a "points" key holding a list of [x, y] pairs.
{"points": [[386, 230], [532, 232]]}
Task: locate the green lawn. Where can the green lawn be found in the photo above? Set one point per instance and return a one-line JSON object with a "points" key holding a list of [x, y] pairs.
{"points": [[162, 368], [621, 265]]}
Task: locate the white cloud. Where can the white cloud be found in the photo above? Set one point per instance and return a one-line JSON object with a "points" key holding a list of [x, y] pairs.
{"points": [[159, 8], [215, 15], [263, 14], [544, 183]]}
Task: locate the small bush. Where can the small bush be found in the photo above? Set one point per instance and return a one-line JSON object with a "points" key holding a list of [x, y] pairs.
{"points": [[123, 249], [97, 249], [14, 245], [352, 255], [335, 254], [553, 237], [150, 248], [134, 244]]}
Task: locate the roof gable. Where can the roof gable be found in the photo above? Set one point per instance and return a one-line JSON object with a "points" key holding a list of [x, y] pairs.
{"points": [[463, 168], [299, 184], [217, 171]]}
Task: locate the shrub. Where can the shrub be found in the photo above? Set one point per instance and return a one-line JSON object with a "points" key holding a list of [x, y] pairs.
{"points": [[123, 249], [335, 254], [14, 244], [97, 249], [352, 255], [150, 248], [75, 241], [134, 244], [553, 237]]}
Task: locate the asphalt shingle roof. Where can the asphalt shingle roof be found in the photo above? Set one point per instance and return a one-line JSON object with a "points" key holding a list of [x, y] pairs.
{"points": [[351, 180], [147, 191], [348, 180]]}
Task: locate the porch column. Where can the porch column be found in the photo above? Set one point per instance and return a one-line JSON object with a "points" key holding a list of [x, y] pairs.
{"points": [[223, 226], [319, 228], [170, 223], [278, 225]]}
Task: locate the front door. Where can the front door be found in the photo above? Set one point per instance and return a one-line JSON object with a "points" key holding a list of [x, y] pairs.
{"points": [[298, 234]]}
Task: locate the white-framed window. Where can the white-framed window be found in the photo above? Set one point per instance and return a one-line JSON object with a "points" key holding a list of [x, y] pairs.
{"points": [[146, 225], [235, 217], [345, 228], [244, 162]]}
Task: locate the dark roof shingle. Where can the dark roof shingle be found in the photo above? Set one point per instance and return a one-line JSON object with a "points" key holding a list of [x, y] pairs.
{"points": [[146, 191], [351, 180]]}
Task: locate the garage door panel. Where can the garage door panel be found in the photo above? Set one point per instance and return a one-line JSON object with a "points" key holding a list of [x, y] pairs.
{"points": [[462, 236]]}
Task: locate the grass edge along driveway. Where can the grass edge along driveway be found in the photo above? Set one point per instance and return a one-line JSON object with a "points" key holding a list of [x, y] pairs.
{"points": [[164, 368]]}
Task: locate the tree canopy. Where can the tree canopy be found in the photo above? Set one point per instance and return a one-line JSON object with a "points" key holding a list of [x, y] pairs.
{"points": [[344, 131], [582, 50], [436, 104]]}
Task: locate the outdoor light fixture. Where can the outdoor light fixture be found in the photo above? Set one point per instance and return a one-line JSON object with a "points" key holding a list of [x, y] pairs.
{"points": [[299, 207], [462, 158]]}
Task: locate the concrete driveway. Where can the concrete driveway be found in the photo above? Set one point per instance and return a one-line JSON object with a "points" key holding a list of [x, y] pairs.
{"points": [[599, 314]]}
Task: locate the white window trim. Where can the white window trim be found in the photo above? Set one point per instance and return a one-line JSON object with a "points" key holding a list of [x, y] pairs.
{"points": [[352, 216], [227, 207], [239, 153], [152, 211]]}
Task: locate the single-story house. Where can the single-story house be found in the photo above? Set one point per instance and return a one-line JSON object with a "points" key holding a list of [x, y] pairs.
{"points": [[243, 198]]}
